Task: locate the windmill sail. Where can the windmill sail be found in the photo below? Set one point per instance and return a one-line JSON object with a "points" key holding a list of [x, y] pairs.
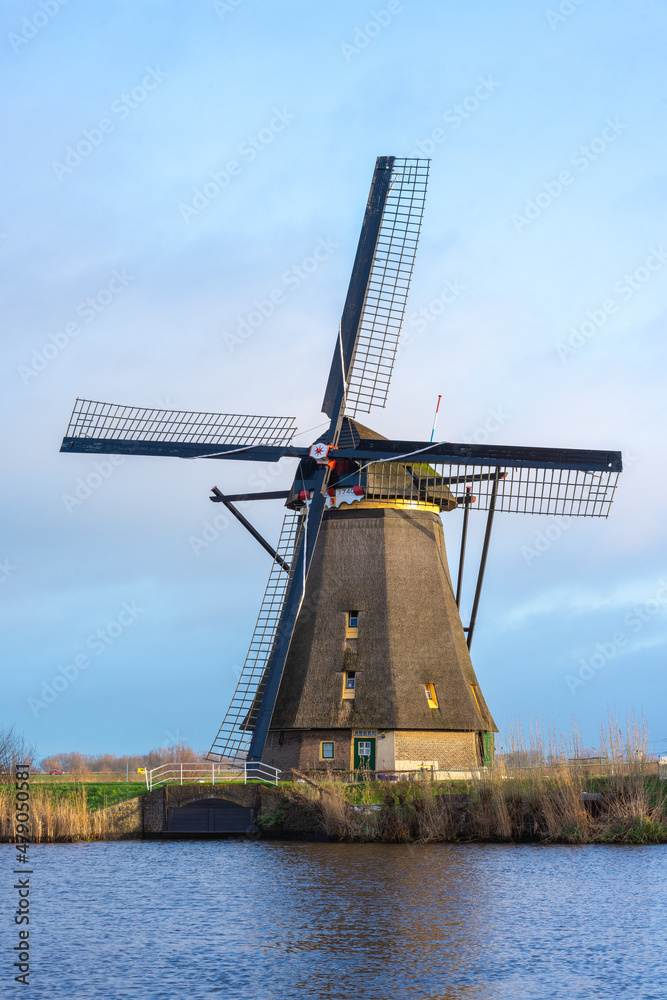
{"points": [[561, 492], [387, 293], [371, 323], [551, 481], [108, 422], [233, 739]]}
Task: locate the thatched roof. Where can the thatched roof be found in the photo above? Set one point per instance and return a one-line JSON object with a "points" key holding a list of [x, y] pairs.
{"points": [[390, 566]]}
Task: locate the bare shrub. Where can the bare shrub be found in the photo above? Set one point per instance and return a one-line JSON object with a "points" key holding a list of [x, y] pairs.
{"points": [[13, 750]]}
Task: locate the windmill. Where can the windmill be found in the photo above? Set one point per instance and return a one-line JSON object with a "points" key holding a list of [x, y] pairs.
{"points": [[359, 656]]}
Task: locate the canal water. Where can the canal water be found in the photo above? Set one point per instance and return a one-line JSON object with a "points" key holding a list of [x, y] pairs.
{"points": [[262, 920]]}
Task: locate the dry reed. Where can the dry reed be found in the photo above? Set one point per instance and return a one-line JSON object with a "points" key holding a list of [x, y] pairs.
{"points": [[52, 819]]}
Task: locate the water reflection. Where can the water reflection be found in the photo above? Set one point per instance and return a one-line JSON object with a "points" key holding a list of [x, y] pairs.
{"points": [[375, 912], [275, 921]]}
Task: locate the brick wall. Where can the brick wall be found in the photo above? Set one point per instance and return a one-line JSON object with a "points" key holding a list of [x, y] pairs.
{"points": [[283, 749], [154, 811], [301, 749], [452, 750]]}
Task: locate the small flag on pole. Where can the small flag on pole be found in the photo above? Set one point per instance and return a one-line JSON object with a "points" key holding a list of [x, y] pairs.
{"points": [[435, 416]]}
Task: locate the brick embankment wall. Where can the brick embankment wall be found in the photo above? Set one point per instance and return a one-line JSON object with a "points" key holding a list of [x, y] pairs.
{"points": [[124, 820], [156, 803]]}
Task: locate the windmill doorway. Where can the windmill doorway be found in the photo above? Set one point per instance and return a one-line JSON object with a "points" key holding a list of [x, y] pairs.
{"points": [[364, 753]]}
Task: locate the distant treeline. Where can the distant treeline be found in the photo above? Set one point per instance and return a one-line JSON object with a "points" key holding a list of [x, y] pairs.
{"points": [[108, 762]]}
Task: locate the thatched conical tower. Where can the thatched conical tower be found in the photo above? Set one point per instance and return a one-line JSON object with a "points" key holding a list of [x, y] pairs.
{"points": [[379, 673]]}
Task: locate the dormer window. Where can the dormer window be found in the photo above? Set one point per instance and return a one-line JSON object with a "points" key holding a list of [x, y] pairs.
{"points": [[349, 683], [431, 698]]}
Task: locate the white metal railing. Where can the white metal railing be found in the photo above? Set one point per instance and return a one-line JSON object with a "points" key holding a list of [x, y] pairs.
{"points": [[213, 773]]}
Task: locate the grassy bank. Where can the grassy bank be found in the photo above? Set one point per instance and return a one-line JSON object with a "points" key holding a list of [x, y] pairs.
{"points": [[551, 807], [545, 788], [97, 793]]}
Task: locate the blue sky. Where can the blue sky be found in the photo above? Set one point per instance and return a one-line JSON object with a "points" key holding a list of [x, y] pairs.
{"points": [[545, 211]]}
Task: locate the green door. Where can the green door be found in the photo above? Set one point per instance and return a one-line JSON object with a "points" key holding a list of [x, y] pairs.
{"points": [[364, 753]]}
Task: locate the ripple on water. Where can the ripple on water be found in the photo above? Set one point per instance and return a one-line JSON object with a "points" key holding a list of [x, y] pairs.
{"points": [[267, 920]]}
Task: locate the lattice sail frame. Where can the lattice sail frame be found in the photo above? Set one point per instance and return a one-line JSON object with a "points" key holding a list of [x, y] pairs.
{"points": [[233, 740], [387, 293], [522, 490], [113, 421]]}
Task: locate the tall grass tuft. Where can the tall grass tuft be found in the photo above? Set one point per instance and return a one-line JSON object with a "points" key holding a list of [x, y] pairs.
{"points": [[53, 819]]}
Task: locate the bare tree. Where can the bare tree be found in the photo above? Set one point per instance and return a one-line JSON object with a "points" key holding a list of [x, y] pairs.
{"points": [[178, 753], [13, 750]]}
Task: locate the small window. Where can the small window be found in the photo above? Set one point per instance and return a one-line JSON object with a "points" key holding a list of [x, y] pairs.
{"points": [[326, 751], [352, 627], [349, 683], [429, 691]]}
